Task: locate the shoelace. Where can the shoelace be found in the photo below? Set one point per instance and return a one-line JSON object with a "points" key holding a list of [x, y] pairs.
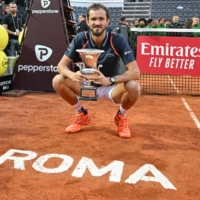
{"points": [[122, 123], [77, 120]]}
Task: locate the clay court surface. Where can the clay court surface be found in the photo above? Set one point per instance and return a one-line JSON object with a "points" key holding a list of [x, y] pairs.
{"points": [[164, 135]]}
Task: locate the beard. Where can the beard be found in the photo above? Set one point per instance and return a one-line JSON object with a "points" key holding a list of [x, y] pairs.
{"points": [[13, 12], [97, 33]]}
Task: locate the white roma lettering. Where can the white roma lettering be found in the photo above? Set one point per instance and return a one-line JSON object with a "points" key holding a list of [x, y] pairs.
{"points": [[158, 176], [116, 168], [38, 165], [18, 161]]}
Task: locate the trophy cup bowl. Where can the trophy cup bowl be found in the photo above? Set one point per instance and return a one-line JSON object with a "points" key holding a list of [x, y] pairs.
{"points": [[87, 67]]}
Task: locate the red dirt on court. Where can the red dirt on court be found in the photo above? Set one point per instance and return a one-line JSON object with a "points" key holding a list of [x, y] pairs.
{"points": [[163, 134]]}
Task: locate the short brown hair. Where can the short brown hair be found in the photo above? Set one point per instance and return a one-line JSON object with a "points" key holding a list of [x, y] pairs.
{"points": [[11, 3], [97, 6], [82, 15], [161, 19]]}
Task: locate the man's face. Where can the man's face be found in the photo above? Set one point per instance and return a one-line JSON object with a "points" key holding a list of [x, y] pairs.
{"points": [[7, 9], [155, 23], [97, 21], [195, 21], [136, 23], [131, 25], [168, 22], [162, 21], [81, 18], [13, 8], [142, 23], [176, 19]]}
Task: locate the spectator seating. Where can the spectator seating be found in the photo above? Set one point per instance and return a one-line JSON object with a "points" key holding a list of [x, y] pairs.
{"points": [[114, 12], [184, 8]]}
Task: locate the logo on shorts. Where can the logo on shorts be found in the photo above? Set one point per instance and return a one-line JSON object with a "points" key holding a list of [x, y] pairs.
{"points": [[45, 3], [43, 53]]}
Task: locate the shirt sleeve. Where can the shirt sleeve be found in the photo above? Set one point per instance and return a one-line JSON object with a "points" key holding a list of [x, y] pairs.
{"points": [[123, 48], [71, 50], [5, 20]]}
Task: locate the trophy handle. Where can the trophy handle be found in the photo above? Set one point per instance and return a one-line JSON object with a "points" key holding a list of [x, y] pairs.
{"points": [[99, 66], [81, 65]]}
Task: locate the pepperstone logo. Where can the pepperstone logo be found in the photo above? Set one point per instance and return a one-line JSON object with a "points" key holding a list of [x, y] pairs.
{"points": [[45, 3], [43, 53]]}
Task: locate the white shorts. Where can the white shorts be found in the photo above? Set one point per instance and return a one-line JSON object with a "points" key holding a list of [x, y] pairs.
{"points": [[105, 93]]}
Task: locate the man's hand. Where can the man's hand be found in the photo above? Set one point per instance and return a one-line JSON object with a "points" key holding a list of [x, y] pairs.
{"points": [[78, 77], [100, 79]]}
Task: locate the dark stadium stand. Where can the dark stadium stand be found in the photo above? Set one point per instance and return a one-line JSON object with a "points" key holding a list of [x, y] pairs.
{"points": [[149, 9], [115, 14], [184, 8], [136, 10]]}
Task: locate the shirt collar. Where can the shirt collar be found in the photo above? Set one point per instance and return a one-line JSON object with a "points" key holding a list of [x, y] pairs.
{"points": [[104, 42]]}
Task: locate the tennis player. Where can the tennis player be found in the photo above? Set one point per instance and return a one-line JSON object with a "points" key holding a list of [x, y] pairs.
{"points": [[122, 89]]}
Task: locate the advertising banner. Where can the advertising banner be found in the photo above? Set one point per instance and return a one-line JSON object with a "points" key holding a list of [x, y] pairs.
{"points": [[6, 83], [43, 47], [169, 55]]}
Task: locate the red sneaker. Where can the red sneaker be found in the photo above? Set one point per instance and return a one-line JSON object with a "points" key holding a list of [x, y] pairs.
{"points": [[123, 129], [77, 122]]}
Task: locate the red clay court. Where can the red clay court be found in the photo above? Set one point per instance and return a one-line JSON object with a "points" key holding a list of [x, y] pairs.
{"points": [[38, 160]]}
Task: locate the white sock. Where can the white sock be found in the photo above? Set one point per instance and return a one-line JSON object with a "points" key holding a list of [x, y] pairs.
{"points": [[77, 107], [122, 111]]}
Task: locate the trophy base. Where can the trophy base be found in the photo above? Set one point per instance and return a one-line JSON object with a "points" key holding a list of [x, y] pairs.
{"points": [[88, 93]]}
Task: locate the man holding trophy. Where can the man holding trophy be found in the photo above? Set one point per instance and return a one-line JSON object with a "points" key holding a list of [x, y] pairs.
{"points": [[97, 53]]}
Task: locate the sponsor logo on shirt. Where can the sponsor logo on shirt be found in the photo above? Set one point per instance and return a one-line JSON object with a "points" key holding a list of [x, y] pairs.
{"points": [[69, 47], [110, 55], [127, 52]]}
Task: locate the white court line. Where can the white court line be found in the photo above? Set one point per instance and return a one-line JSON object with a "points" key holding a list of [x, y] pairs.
{"points": [[173, 84], [196, 121]]}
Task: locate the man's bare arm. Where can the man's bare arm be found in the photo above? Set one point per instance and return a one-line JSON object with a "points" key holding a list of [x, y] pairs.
{"points": [[133, 73], [9, 32], [66, 72], [63, 68]]}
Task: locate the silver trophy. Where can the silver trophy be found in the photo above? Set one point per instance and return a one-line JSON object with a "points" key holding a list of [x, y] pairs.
{"points": [[89, 57]]}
